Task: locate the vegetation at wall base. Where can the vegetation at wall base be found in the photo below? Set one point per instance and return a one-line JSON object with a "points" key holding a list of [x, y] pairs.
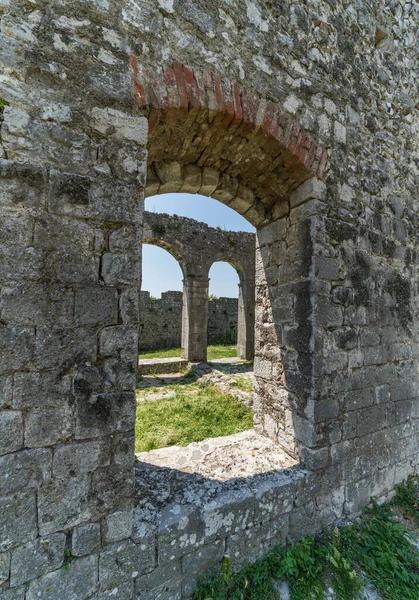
{"points": [[377, 548]]}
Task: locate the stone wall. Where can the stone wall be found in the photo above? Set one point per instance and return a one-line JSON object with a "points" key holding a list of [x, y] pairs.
{"points": [[161, 321], [300, 116]]}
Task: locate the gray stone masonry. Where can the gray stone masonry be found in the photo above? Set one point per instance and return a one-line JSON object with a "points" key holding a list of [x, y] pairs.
{"points": [[302, 117], [161, 321], [197, 247]]}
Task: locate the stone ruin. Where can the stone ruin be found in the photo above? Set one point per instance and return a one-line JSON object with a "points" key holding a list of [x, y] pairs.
{"points": [[161, 320], [196, 246], [303, 117]]}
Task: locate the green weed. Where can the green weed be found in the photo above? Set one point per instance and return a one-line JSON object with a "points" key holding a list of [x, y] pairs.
{"points": [[407, 498], [377, 546]]}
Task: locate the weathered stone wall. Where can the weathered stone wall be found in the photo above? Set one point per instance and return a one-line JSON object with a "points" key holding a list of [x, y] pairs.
{"points": [[161, 321], [303, 118]]}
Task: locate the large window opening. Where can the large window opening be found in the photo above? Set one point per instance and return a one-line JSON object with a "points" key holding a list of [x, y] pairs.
{"points": [[195, 380]]}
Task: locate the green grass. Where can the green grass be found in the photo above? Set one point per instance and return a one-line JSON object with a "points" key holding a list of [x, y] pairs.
{"points": [[166, 353], [244, 383], [193, 414], [221, 351], [377, 545], [214, 352]]}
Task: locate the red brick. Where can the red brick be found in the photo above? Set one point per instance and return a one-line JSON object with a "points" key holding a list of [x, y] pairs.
{"points": [[140, 94], [181, 86]]}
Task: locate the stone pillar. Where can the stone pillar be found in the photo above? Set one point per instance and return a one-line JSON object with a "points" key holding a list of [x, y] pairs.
{"points": [[246, 320], [195, 318], [295, 318]]}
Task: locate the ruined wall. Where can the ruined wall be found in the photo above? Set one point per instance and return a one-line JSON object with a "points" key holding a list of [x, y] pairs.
{"points": [[161, 321], [303, 118]]}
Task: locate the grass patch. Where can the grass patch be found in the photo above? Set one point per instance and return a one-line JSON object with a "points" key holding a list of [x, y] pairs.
{"points": [[191, 415], [377, 546], [243, 383], [214, 352], [221, 351], [166, 353]]}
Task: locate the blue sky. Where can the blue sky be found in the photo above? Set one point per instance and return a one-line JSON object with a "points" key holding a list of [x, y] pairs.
{"points": [[161, 272]]}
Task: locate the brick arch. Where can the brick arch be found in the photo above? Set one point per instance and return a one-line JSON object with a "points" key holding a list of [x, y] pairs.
{"points": [[197, 120]]}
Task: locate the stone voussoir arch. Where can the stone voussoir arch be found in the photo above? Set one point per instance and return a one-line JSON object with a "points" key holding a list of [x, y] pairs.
{"points": [[209, 136]]}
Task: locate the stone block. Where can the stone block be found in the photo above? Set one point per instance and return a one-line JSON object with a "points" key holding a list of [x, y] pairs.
{"points": [[112, 490], [122, 125], [57, 347], [198, 562], [48, 427], [314, 459], [253, 543], [13, 594], [6, 391], [231, 511], [105, 413], [326, 268], [129, 306], [78, 580], [96, 306], [303, 521], [17, 345], [162, 582], [123, 448], [121, 269], [36, 304], [114, 339], [328, 314], [41, 390], [19, 263], [63, 503], [73, 459], [121, 592], [11, 431], [18, 520], [124, 562], [25, 469], [85, 539], [180, 531], [274, 496], [118, 526], [312, 188], [68, 190], [37, 558], [124, 239], [4, 567]]}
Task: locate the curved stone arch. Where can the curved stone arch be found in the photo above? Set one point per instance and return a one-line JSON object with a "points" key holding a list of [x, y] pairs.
{"points": [[211, 126], [166, 177], [171, 249]]}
